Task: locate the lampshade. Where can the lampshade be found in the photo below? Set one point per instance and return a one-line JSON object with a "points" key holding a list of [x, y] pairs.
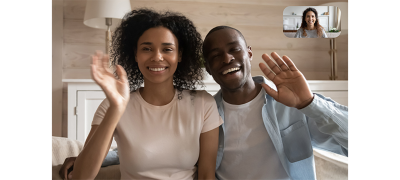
{"points": [[98, 10]]}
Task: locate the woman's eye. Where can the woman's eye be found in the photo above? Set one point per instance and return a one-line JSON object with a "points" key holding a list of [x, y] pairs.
{"points": [[168, 49], [215, 57], [146, 49]]}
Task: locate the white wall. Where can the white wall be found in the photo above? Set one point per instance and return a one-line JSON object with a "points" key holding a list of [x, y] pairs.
{"points": [[332, 15]]}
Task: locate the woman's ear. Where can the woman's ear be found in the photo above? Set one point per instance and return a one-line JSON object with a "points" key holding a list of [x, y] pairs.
{"points": [[180, 56]]}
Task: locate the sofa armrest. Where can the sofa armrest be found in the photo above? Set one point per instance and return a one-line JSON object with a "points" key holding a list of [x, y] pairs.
{"points": [[330, 165]]}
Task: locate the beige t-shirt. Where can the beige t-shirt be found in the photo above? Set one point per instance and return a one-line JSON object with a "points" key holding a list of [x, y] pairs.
{"points": [[162, 142]]}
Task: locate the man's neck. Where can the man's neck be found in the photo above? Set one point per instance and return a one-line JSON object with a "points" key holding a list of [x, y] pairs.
{"points": [[244, 94]]}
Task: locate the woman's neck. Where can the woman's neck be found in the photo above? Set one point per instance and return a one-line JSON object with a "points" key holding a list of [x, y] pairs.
{"points": [[158, 94], [310, 27]]}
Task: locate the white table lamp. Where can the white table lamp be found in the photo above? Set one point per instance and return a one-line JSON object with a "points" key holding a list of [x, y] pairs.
{"points": [[105, 14]]}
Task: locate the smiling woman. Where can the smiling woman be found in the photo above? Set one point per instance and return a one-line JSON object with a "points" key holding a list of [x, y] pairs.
{"points": [[124, 46], [166, 129], [310, 27]]}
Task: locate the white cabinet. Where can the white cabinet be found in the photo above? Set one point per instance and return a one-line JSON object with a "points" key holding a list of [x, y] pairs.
{"points": [[84, 96]]}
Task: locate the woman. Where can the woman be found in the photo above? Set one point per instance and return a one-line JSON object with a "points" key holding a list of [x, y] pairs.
{"points": [[310, 27], [164, 128]]}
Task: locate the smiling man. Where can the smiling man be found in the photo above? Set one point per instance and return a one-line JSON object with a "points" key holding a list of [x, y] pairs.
{"points": [[269, 130]]}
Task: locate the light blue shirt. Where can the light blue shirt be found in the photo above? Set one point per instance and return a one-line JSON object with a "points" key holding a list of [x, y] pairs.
{"points": [[323, 124]]}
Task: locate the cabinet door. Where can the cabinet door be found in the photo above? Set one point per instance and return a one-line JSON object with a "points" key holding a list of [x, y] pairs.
{"points": [[324, 22], [88, 102]]}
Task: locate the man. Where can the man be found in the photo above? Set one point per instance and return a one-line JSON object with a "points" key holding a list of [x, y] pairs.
{"points": [[269, 130], [268, 134]]}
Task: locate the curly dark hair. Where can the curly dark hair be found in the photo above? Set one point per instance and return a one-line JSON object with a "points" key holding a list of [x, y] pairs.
{"points": [[316, 24], [124, 46]]}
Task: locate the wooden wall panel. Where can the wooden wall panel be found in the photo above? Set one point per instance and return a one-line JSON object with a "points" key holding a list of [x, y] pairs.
{"points": [[260, 21], [57, 49], [78, 55], [274, 39], [74, 9], [76, 32], [319, 75], [305, 60], [256, 2]]}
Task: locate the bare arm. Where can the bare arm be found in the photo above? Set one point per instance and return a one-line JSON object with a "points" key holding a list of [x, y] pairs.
{"points": [[92, 130], [69, 162], [89, 161], [208, 154]]}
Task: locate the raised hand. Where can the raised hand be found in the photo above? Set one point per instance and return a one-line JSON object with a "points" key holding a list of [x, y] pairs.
{"points": [[293, 90], [116, 89]]}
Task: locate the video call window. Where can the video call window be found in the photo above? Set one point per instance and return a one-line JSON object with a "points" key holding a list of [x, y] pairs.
{"points": [[311, 21]]}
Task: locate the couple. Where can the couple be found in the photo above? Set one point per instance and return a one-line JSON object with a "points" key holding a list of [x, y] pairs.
{"points": [[166, 130]]}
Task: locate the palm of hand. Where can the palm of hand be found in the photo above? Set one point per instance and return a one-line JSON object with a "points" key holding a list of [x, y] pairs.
{"points": [[292, 87], [116, 90]]}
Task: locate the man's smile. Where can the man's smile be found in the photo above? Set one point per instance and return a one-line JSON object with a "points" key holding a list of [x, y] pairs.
{"points": [[230, 70]]}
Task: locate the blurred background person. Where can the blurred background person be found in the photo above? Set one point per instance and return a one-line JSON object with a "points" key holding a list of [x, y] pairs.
{"points": [[310, 27]]}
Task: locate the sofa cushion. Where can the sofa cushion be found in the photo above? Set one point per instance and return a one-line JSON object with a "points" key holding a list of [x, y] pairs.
{"points": [[63, 148]]}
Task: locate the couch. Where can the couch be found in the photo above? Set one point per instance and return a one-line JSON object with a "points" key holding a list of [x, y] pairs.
{"points": [[64, 148], [328, 166]]}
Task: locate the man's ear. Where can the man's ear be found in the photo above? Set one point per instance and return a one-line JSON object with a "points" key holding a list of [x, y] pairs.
{"points": [[250, 52], [207, 67]]}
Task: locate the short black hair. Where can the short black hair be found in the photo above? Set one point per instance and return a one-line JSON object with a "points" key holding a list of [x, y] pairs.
{"points": [[188, 74], [224, 27], [219, 28]]}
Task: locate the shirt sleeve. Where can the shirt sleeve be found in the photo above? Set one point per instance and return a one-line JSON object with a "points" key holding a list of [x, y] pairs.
{"points": [[298, 33], [328, 124], [212, 119], [100, 112], [324, 34]]}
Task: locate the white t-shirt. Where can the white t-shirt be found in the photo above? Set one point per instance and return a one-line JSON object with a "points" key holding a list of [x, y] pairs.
{"points": [[162, 142], [249, 152]]}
